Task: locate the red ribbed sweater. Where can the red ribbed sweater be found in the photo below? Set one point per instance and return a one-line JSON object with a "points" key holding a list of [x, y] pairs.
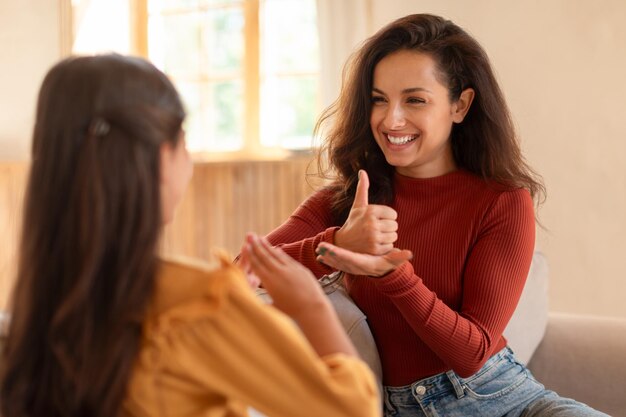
{"points": [[472, 245]]}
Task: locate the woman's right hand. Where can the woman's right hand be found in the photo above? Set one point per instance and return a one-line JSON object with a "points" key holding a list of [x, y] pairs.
{"points": [[296, 292], [293, 287], [370, 228]]}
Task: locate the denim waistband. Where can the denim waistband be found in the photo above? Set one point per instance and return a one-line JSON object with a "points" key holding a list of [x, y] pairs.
{"points": [[442, 384]]}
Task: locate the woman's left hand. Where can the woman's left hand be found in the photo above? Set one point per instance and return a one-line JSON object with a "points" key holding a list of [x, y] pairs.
{"points": [[361, 263]]}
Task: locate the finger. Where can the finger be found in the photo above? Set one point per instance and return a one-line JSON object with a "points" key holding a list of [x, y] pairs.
{"points": [[331, 253], [257, 264], [242, 260], [387, 226], [384, 248], [387, 239], [276, 252], [253, 281], [265, 249], [260, 255], [382, 212], [275, 260], [327, 262], [324, 247], [337, 263], [330, 261], [360, 196]]}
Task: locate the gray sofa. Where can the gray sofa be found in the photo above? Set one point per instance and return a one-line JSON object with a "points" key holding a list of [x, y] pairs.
{"points": [[578, 356], [584, 357]]}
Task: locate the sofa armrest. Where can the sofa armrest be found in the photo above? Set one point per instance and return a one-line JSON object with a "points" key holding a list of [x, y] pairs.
{"points": [[584, 358]]}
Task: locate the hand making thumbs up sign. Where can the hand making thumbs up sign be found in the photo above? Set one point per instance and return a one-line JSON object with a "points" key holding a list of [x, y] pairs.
{"points": [[370, 228]]}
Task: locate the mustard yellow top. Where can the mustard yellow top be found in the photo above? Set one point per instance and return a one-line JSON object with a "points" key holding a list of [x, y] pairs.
{"points": [[211, 348]]}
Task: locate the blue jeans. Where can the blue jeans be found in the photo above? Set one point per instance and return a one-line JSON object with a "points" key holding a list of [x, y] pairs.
{"points": [[502, 387]]}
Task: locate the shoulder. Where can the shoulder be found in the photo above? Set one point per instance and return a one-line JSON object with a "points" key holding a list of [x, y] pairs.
{"points": [[512, 201], [494, 203], [496, 194], [187, 288], [317, 206], [512, 213]]}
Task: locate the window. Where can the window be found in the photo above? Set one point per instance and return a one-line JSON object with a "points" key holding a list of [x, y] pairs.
{"points": [[247, 70]]}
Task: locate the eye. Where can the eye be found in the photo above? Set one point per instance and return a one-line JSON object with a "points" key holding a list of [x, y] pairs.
{"points": [[415, 100], [378, 99]]}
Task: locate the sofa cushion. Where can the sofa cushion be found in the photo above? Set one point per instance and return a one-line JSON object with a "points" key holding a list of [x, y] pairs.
{"points": [[584, 357]]}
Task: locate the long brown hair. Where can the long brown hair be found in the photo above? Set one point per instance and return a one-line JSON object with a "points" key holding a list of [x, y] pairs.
{"points": [[485, 143], [92, 220]]}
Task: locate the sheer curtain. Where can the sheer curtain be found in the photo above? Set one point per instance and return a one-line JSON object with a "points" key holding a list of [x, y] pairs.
{"points": [[343, 26]]}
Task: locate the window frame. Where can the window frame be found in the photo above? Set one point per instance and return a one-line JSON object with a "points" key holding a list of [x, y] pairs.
{"points": [[252, 148]]}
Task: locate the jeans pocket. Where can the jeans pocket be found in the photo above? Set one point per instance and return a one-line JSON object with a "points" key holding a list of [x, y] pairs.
{"points": [[502, 378], [388, 407]]}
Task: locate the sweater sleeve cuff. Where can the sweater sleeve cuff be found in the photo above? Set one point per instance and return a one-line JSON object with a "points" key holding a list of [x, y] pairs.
{"points": [[398, 280], [329, 235]]}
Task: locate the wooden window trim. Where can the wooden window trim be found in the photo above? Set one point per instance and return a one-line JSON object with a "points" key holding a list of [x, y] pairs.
{"points": [[139, 44], [252, 79], [139, 27], [252, 149]]}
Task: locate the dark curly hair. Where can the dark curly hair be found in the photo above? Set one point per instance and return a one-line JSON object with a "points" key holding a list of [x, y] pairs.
{"points": [[485, 143]]}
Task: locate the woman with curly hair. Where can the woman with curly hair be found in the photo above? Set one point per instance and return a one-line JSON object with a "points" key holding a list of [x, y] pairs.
{"points": [[431, 216]]}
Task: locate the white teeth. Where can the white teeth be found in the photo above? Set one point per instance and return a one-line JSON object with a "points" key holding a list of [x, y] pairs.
{"points": [[400, 140]]}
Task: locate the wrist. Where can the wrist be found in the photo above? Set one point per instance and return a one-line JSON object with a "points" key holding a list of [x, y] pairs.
{"points": [[311, 311], [337, 237], [322, 328]]}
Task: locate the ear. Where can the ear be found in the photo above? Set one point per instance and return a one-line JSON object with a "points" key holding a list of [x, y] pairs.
{"points": [[462, 105]]}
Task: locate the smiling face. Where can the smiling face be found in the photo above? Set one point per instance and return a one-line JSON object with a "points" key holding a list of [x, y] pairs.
{"points": [[412, 116]]}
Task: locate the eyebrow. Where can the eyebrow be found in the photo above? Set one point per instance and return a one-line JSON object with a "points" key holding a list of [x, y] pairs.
{"points": [[406, 90]]}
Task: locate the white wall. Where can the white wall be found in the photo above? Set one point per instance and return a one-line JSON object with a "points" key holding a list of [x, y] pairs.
{"points": [[30, 39], [562, 65]]}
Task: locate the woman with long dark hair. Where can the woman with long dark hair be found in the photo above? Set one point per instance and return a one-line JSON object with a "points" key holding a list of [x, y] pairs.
{"points": [[100, 326], [431, 217]]}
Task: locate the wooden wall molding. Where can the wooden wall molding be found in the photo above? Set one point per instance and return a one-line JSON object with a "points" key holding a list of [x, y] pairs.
{"points": [[225, 200]]}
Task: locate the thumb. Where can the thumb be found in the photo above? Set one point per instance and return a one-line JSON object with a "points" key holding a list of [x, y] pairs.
{"points": [[360, 197]]}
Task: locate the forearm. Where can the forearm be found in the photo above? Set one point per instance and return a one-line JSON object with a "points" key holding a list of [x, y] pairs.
{"points": [[321, 326], [465, 337]]}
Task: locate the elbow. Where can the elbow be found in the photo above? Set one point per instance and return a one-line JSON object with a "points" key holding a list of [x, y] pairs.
{"points": [[466, 370], [468, 366]]}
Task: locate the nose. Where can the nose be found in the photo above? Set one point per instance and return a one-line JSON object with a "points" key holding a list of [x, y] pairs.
{"points": [[395, 117]]}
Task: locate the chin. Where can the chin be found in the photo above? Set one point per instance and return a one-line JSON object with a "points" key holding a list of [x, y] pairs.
{"points": [[397, 162]]}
